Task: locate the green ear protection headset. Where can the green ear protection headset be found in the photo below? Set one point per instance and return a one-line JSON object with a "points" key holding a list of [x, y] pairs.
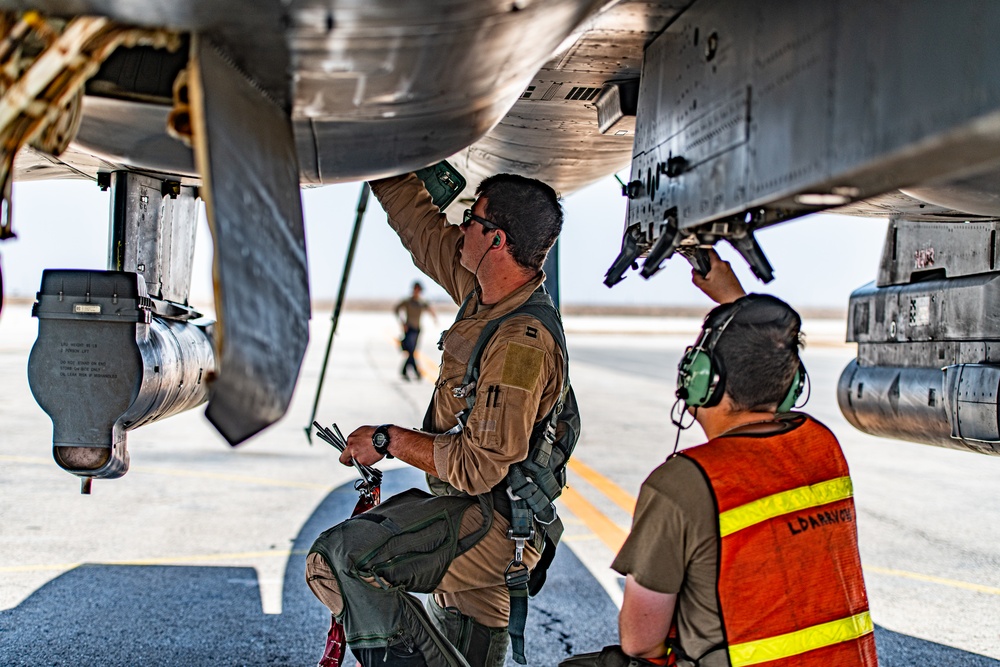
{"points": [[701, 377]]}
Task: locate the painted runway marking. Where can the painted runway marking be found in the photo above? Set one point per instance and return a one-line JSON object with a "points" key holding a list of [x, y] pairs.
{"points": [[426, 367], [242, 479], [173, 472], [604, 528], [31, 460], [612, 491], [165, 560], [613, 536], [954, 583]]}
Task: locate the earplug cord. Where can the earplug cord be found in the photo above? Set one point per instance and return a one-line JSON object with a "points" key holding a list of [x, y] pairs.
{"points": [[677, 419]]}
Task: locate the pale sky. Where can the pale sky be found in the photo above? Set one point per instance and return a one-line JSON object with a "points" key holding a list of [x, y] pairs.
{"points": [[817, 261]]}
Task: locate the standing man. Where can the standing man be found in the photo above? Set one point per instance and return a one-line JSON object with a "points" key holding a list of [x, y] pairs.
{"points": [[460, 542], [744, 550], [409, 312]]}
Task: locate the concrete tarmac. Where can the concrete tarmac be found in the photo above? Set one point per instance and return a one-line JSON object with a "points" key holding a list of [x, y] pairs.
{"points": [[196, 556]]}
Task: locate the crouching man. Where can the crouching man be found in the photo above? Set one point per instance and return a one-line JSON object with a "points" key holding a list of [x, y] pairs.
{"points": [[502, 384], [743, 550]]}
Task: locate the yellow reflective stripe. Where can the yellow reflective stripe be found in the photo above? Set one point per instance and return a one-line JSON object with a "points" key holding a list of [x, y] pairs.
{"points": [[793, 500], [800, 641]]}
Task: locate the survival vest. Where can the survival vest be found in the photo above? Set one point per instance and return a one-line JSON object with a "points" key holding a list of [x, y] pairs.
{"points": [[790, 586], [526, 495]]}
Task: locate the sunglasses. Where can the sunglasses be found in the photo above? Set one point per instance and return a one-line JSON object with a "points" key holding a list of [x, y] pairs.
{"points": [[469, 216]]}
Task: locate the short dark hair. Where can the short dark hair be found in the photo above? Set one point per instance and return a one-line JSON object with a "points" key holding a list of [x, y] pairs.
{"points": [[759, 351], [417, 285], [528, 210]]}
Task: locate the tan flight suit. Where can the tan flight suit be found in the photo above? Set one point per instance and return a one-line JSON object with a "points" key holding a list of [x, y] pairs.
{"points": [[521, 376]]}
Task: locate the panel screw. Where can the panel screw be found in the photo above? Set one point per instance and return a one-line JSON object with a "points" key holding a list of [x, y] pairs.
{"points": [[711, 46]]}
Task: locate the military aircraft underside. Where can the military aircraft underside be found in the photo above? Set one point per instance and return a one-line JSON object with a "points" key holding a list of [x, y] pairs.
{"points": [[733, 115]]}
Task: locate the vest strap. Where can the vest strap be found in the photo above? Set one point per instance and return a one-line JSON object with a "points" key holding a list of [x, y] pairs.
{"points": [[517, 576], [800, 641], [524, 495], [793, 500], [524, 488]]}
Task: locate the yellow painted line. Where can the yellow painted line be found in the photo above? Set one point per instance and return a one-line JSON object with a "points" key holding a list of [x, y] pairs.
{"points": [[612, 536], [954, 583], [30, 460], [571, 520], [243, 479], [606, 530], [173, 472], [166, 560], [603, 528], [427, 367], [614, 493]]}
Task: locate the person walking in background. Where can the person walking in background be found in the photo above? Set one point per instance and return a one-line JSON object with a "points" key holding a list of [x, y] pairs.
{"points": [[409, 311]]}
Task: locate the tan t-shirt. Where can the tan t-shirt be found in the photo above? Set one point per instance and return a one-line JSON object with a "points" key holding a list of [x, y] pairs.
{"points": [[413, 308], [673, 548]]}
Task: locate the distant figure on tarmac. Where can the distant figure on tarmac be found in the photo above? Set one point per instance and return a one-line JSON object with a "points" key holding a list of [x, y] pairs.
{"points": [[743, 550], [409, 312], [502, 390]]}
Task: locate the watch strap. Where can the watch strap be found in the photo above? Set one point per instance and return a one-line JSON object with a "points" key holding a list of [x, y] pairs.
{"points": [[382, 449]]}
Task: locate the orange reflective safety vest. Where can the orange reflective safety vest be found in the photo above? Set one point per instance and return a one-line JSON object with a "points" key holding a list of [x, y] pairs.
{"points": [[790, 586]]}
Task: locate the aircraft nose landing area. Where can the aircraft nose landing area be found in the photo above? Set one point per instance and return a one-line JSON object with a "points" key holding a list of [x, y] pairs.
{"points": [[197, 556]]}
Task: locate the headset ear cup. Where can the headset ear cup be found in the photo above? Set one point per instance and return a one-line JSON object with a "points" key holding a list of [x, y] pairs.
{"points": [[718, 385], [696, 378], [701, 377], [794, 391]]}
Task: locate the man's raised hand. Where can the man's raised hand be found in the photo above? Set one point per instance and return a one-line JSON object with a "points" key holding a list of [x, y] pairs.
{"points": [[720, 284]]}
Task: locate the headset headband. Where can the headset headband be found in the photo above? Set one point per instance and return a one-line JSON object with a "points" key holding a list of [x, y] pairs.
{"points": [[701, 375], [714, 333]]}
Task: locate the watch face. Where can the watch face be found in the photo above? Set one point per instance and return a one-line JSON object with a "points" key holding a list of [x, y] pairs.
{"points": [[380, 439]]}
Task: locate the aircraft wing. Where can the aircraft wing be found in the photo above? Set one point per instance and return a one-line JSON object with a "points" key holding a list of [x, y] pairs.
{"points": [[239, 106], [733, 116]]}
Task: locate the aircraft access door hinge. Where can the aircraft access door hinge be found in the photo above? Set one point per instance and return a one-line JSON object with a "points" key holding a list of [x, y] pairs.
{"points": [[741, 237], [664, 247], [633, 245]]}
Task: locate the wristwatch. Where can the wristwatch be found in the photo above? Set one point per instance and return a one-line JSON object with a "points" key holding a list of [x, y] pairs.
{"points": [[380, 441]]}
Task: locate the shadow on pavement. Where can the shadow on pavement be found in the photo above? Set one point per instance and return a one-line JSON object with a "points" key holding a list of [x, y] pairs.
{"points": [[127, 615], [124, 615], [898, 650]]}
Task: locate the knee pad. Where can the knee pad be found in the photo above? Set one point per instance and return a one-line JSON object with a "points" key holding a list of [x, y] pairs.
{"points": [[396, 655], [609, 656], [480, 644], [323, 583]]}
